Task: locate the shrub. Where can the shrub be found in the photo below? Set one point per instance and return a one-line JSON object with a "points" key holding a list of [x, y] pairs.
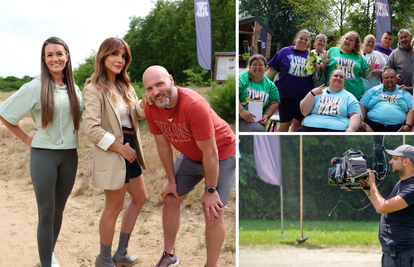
{"points": [[222, 99], [196, 79], [139, 88]]}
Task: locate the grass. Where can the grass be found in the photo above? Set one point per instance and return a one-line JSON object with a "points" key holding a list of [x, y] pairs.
{"points": [[320, 233]]}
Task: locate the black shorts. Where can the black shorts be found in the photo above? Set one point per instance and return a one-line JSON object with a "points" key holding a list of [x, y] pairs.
{"points": [[378, 127], [133, 169], [304, 128], [289, 108]]}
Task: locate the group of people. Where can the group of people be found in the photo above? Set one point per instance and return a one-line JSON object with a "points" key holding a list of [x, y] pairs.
{"points": [[109, 109], [356, 86]]}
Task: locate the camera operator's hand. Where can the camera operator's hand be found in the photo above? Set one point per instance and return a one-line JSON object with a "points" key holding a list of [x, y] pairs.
{"points": [[371, 178], [368, 182]]}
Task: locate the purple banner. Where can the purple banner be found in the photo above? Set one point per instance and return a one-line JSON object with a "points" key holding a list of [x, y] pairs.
{"points": [[383, 17], [204, 30], [267, 158], [263, 37]]}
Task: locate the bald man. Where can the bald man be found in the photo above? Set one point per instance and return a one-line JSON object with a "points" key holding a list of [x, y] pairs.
{"points": [[182, 118]]}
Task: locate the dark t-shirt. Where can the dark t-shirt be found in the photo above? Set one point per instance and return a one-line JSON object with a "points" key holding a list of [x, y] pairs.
{"points": [[396, 231]]}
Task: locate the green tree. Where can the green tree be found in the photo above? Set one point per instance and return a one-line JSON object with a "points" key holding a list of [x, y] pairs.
{"points": [[167, 37], [85, 70], [362, 18], [278, 15]]}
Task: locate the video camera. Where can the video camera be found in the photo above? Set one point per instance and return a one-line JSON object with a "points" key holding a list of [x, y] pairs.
{"points": [[353, 167]]}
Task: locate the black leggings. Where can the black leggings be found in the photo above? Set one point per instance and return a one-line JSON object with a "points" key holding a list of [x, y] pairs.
{"points": [[53, 174]]}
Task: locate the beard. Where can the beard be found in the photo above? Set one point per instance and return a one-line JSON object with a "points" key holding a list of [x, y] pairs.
{"points": [[399, 172], [168, 97]]}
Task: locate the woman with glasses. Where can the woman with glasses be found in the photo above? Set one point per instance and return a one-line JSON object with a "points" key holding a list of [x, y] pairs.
{"points": [[320, 43], [255, 88]]}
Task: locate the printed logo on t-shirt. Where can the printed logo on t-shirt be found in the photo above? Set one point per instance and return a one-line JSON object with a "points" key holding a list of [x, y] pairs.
{"points": [[297, 64], [329, 105], [385, 56], [175, 133], [389, 98], [255, 95], [347, 66]]}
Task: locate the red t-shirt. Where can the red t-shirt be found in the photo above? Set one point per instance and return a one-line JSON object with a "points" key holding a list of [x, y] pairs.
{"points": [[190, 120]]}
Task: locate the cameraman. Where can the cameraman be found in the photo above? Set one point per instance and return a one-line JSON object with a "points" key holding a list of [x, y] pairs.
{"points": [[396, 231]]}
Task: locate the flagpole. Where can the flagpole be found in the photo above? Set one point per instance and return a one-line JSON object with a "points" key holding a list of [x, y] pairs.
{"points": [[281, 207], [301, 239], [301, 186]]}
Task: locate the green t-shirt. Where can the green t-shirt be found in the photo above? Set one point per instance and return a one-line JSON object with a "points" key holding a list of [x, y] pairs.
{"points": [[61, 133], [354, 67], [264, 91]]}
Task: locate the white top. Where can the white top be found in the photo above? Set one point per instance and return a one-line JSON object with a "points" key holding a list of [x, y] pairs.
{"points": [[373, 80], [124, 114], [61, 133]]}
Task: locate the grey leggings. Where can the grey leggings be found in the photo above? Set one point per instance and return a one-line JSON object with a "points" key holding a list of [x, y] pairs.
{"points": [[53, 174]]}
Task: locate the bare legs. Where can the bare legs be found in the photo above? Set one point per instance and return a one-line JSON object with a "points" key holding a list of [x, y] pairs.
{"points": [[293, 124], [215, 230], [114, 204]]}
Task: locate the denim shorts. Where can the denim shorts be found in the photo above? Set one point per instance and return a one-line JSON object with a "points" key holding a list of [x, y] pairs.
{"points": [[133, 169]]}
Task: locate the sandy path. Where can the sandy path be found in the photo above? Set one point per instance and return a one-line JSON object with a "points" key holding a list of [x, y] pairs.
{"points": [[78, 243], [305, 255]]}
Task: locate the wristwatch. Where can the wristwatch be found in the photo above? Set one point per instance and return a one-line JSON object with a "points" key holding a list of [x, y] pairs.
{"points": [[211, 190]]}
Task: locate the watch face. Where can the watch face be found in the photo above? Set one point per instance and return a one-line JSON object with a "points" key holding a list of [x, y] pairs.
{"points": [[211, 190]]}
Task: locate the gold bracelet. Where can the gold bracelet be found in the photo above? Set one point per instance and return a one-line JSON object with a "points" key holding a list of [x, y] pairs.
{"points": [[266, 115]]}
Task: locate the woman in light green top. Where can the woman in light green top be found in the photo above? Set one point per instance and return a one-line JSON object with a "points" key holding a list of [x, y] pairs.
{"points": [[55, 104]]}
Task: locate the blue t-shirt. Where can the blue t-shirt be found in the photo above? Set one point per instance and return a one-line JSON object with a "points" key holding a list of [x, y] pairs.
{"points": [[384, 107], [396, 230], [385, 53], [291, 83], [331, 110]]}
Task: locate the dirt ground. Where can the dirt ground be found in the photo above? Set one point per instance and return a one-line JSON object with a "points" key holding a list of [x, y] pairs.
{"points": [[309, 256], [78, 243]]}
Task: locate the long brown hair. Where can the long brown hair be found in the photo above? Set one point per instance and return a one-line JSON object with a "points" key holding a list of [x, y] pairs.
{"points": [[47, 93], [122, 82]]}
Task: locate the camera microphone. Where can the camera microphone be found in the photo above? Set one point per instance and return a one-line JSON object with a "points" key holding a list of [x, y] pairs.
{"points": [[335, 160]]}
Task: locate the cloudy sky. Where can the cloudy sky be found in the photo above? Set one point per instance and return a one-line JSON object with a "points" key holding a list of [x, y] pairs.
{"points": [[82, 24]]}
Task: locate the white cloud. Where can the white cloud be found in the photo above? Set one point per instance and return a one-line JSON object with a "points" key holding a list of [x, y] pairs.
{"points": [[82, 24]]}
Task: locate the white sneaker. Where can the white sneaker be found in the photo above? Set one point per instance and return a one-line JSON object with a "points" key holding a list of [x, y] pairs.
{"points": [[54, 261]]}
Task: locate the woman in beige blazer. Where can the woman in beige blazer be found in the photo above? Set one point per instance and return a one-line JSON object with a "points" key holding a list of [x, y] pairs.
{"points": [[111, 115]]}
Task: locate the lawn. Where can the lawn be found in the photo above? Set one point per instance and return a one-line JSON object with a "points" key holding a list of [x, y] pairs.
{"points": [[320, 233]]}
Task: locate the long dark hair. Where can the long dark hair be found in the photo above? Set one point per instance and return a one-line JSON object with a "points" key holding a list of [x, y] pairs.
{"points": [[47, 93], [122, 82]]}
